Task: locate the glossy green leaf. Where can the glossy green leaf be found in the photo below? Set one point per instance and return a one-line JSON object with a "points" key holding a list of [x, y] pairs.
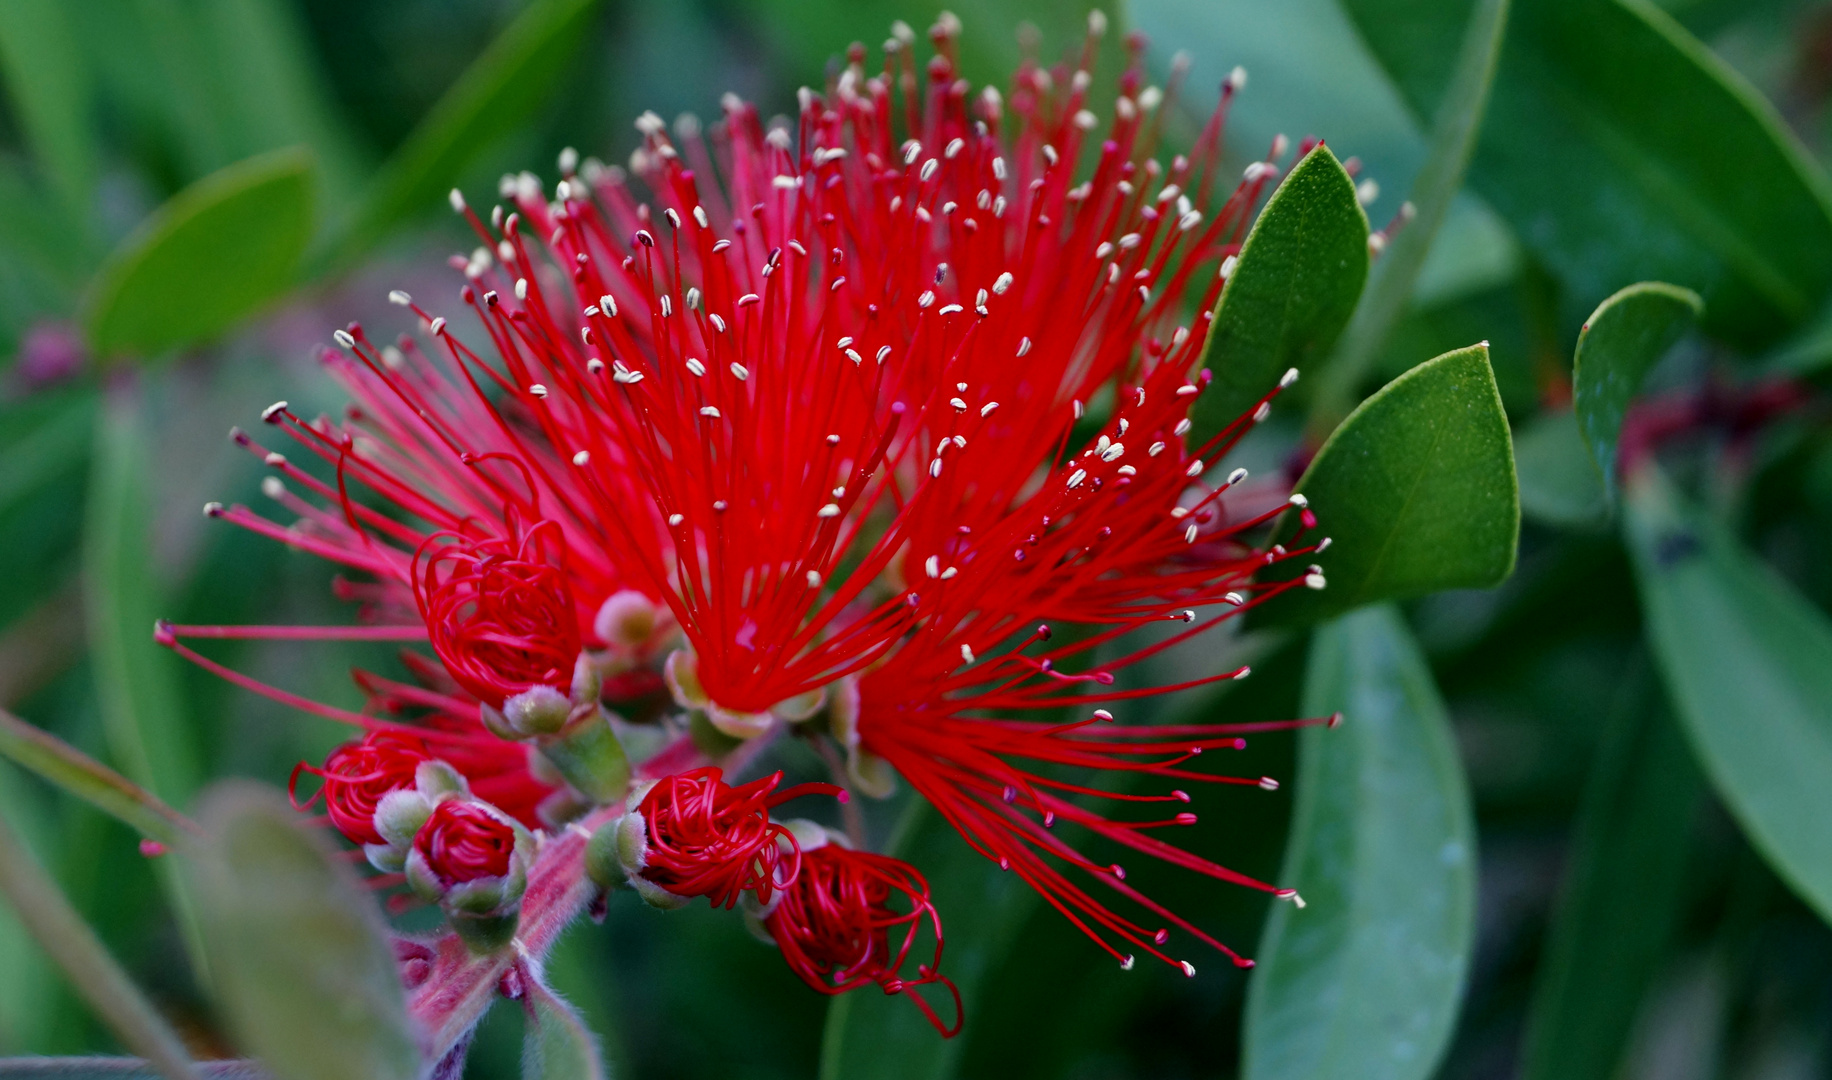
{"points": [[298, 949], [1624, 150], [1559, 481], [1454, 132], [493, 98], [1415, 490], [1300, 272], [1619, 344], [557, 1045], [872, 1036], [1364, 981], [1747, 662], [48, 85], [69, 941], [219, 250], [1624, 888], [73, 771]]}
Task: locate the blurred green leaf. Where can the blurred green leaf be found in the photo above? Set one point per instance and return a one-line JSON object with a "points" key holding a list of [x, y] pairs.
{"points": [[1453, 140], [116, 1068], [1559, 482], [82, 776], [149, 734], [1300, 273], [63, 935], [49, 86], [494, 97], [874, 1036], [46, 450], [1623, 892], [299, 951], [557, 1045], [1415, 489], [1623, 149], [1365, 980], [219, 250], [1747, 662], [1620, 343]]}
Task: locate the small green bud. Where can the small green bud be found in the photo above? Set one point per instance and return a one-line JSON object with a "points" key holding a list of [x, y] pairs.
{"points": [[539, 710], [400, 814]]}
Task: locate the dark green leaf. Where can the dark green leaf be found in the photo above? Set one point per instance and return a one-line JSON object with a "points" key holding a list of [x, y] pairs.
{"points": [[1365, 980], [95, 783], [1623, 150], [557, 1045], [872, 1036], [298, 949], [68, 940], [149, 732], [49, 87], [1621, 341], [1453, 141], [1415, 489], [493, 98], [1300, 273], [1559, 482], [219, 250], [1748, 665], [42, 454], [1622, 898]]}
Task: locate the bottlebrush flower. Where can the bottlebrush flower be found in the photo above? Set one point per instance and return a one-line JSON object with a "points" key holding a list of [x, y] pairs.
{"points": [[692, 834], [463, 842], [860, 407], [357, 776], [834, 923]]}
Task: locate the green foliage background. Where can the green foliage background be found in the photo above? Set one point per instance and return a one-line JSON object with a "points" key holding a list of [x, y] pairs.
{"points": [[1585, 833]]}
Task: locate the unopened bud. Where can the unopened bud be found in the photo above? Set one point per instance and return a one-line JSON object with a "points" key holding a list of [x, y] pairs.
{"points": [[627, 620], [539, 710]]}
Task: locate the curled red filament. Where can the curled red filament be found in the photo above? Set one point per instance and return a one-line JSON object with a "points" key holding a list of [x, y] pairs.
{"points": [[834, 925], [499, 614], [462, 841], [708, 838], [357, 775]]}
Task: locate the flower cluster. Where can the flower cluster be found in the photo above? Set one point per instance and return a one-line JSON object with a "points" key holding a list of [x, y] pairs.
{"points": [[871, 427]]}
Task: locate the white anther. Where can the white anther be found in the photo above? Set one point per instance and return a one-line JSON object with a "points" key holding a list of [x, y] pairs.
{"points": [[595, 366], [1112, 453], [966, 652], [1187, 389], [1130, 241], [457, 200], [958, 404], [699, 215], [986, 409], [1290, 376], [1236, 476], [739, 372], [1315, 581], [1298, 500], [935, 468], [1155, 449], [1182, 427], [1004, 282], [608, 305], [1189, 534], [1076, 477], [814, 579], [710, 410], [582, 457], [213, 509], [927, 298], [1323, 544], [537, 390], [1189, 220], [949, 309], [1234, 598], [1189, 969], [342, 337], [272, 411], [1195, 468], [694, 366], [274, 460], [521, 288], [1264, 410], [1024, 345], [830, 510], [674, 520], [1267, 783], [932, 566]]}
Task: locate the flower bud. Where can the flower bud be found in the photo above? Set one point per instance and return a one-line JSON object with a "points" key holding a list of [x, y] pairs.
{"points": [[539, 710], [400, 815], [627, 620], [357, 776], [472, 860], [499, 611]]}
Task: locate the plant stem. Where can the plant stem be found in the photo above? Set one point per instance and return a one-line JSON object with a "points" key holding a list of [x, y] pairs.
{"points": [[61, 932]]}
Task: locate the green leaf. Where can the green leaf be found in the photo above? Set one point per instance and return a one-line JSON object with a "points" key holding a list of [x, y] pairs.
{"points": [[1622, 898], [1620, 343], [557, 1046], [52, 97], [63, 935], [1559, 482], [116, 1068], [1300, 273], [1624, 150], [143, 714], [873, 1036], [219, 250], [299, 951], [1416, 491], [1747, 662], [493, 98], [1364, 981], [71, 770], [1453, 141]]}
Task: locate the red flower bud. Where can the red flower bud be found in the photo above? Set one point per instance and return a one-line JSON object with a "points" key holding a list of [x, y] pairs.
{"points": [[500, 614], [357, 775], [462, 841], [705, 837], [834, 923]]}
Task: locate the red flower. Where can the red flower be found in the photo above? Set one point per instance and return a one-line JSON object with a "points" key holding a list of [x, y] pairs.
{"points": [[462, 841], [834, 926], [357, 775], [500, 616], [704, 837]]}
